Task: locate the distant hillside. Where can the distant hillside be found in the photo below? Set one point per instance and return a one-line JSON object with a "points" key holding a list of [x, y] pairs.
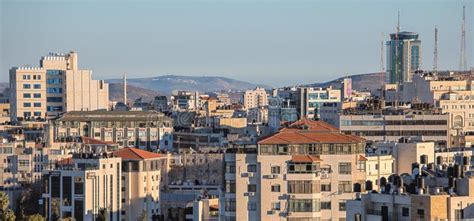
{"points": [[370, 81], [169, 83], [133, 93]]}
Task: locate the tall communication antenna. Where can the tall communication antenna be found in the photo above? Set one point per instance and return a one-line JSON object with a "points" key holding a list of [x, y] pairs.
{"points": [[397, 60], [382, 68], [462, 60], [435, 52]]}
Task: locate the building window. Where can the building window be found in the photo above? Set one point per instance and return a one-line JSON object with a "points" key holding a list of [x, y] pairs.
{"points": [[26, 86], [230, 186], [252, 188], [459, 214], [345, 186], [37, 114], [230, 205], [37, 86], [342, 206], [326, 205], [26, 104], [405, 212], [276, 188], [26, 95], [345, 168], [252, 168], [304, 205], [37, 104], [303, 186], [275, 169], [37, 95], [252, 206], [326, 187], [420, 213], [361, 166], [276, 206]]}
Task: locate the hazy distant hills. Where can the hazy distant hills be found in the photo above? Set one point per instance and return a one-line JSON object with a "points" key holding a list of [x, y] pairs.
{"points": [[133, 93], [370, 81], [168, 83]]}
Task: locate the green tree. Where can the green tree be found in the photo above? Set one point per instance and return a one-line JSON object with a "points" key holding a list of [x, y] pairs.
{"points": [[7, 214], [36, 217]]}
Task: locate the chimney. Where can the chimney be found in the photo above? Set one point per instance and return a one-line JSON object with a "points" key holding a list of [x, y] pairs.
{"points": [[125, 89]]}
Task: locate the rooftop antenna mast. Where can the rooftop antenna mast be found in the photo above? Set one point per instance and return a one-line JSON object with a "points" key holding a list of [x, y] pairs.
{"points": [[382, 68], [397, 60], [435, 52], [462, 60]]}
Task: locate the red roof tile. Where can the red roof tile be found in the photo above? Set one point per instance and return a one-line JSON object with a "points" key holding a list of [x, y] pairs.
{"points": [[92, 141], [362, 158], [315, 132], [305, 159], [135, 154]]}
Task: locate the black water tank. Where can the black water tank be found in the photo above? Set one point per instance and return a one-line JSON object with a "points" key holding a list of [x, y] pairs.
{"points": [[368, 185], [452, 182], [450, 172], [439, 160], [357, 188], [423, 159], [383, 181], [466, 161], [457, 170]]}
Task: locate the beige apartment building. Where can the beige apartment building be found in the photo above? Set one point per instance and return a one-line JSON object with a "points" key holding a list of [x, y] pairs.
{"points": [[28, 93], [255, 98], [149, 130], [141, 179], [432, 204], [460, 108], [304, 172], [55, 87]]}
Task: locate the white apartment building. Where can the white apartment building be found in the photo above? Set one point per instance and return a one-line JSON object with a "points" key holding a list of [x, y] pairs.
{"points": [[55, 87], [185, 100], [393, 123], [255, 98], [304, 172], [83, 188]]}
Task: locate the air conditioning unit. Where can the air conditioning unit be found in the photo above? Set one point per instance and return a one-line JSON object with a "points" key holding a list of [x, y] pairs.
{"points": [[249, 174], [250, 193], [272, 176]]}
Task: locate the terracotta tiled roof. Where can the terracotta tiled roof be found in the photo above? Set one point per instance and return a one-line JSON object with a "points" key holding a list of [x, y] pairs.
{"points": [[316, 132], [92, 141], [131, 153], [362, 158], [65, 161], [313, 125], [305, 159]]}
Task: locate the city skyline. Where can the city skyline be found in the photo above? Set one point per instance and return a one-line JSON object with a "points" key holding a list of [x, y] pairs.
{"points": [[276, 43]]}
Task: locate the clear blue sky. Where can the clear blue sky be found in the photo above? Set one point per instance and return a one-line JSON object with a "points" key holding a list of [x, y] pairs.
{"points": [[271, 42]]}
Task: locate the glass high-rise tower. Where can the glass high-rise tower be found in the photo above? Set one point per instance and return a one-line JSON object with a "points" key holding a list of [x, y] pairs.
{"points": [[403, 56]]}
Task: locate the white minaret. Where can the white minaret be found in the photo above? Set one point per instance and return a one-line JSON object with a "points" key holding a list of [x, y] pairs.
{"points": [[125, 89]]}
